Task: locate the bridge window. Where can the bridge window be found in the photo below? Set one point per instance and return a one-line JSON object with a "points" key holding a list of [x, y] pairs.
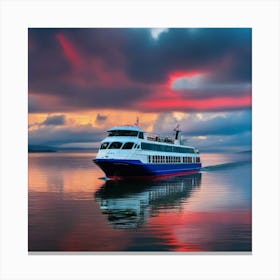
{"points": [[128, 146], [104, 145], [141, 135], [115, 145], [123, 133]]}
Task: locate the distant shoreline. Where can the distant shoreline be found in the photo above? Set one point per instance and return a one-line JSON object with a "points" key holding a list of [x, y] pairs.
{"points": [[42, 151], [49, 149]]}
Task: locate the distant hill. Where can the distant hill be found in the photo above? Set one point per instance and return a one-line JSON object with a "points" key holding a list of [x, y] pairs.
{"points": [[246, 152], [59, 149], [40, 149], [49, 149]]}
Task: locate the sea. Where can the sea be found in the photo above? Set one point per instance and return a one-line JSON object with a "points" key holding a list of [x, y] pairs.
{"points": [[73, 208]]}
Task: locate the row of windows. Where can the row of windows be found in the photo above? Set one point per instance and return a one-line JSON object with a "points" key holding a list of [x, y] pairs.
{"points": [[145, 146], [118, 145], [126, 133], [171, 159], [166, 148]]}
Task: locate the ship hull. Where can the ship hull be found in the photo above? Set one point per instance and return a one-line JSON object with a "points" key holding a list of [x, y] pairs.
{"points": [[117, 168]]}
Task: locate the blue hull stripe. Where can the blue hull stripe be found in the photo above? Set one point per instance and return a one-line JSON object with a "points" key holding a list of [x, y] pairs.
{"points": [[128, 168]]}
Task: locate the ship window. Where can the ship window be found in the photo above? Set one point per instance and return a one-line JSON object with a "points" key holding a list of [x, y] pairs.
{"points": [[123, 133], [128, 146], [104, 145], [166, 148], [141, 135], [115, 145]]}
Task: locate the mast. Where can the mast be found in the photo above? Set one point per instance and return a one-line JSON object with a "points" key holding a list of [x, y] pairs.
{"points": [[177, 135], [137, 122]]}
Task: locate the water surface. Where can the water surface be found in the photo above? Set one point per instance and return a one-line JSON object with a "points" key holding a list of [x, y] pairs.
{"points": [[71, 209]]}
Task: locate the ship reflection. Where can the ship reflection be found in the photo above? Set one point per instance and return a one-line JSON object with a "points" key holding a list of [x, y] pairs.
{"points": [[129, 204]]}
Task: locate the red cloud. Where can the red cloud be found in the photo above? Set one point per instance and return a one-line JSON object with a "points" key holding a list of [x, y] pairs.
{"points": [[206, 104], [69, 51], [92, 69]]}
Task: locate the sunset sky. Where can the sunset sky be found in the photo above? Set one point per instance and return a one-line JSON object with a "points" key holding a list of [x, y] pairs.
{"points": [[84, 81]]}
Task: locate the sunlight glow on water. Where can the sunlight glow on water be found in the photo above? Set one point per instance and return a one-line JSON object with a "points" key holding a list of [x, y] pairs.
{"points": [[71, 209]]}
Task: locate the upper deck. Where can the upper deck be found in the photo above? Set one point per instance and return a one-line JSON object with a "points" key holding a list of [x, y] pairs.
{"points": [[126, 128], [122, 134]]}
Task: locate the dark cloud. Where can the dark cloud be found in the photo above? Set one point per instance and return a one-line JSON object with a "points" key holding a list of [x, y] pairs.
{"points": [[54, 136], [225, 49], [100, 118], [71, 98], [55, 120], [232, 123], [45, 62], [229, 143], [194, 125], [117, 68]]}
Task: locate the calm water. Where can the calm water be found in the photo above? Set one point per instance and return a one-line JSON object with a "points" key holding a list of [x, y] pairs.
{"points": [[72, 209]]}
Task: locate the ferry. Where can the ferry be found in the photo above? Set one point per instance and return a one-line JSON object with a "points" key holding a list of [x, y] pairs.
{"points": [[129, 152]]}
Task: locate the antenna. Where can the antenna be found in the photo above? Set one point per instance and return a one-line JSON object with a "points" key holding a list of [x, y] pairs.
{"points": [[176, 129], [137, 122]]}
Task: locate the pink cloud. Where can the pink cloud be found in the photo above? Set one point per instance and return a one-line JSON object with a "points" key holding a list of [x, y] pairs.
{"points": [[69, 51], [204, 104]]}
